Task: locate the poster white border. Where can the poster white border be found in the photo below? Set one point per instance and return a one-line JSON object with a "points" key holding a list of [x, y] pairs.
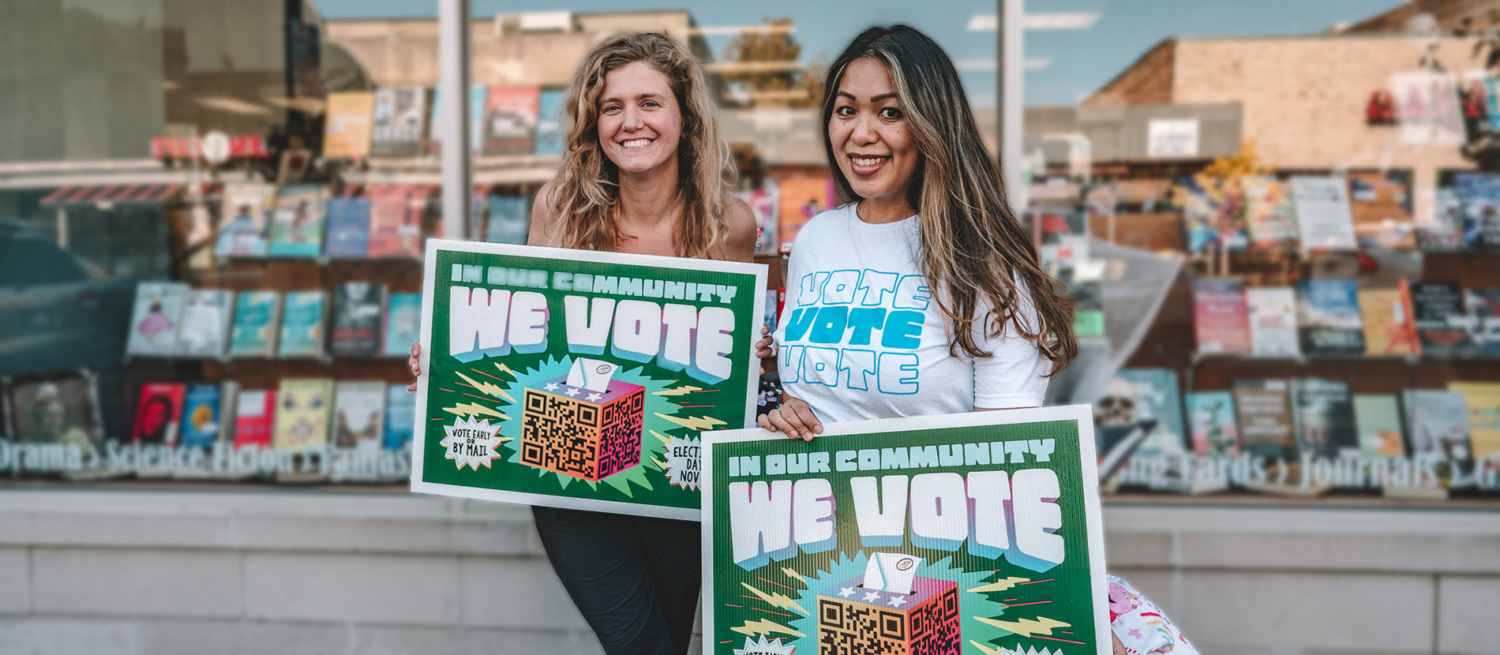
{"points": [[419, 431], [1082, 415]]}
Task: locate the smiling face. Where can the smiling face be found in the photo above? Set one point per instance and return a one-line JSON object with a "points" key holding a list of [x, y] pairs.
{"points": [[640, 123], [872, 142]]}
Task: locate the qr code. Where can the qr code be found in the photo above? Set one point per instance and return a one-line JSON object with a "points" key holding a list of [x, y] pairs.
{"points": [[559, 435], [619, 443], [857, 629], [934, 626]]}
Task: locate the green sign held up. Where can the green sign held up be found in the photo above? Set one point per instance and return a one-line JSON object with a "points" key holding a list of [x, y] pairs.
{"points": [[966, 533], [580, 379]]}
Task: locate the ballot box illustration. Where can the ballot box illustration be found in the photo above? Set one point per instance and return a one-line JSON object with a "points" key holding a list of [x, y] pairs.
{"points": [[889, 611], [584, 424]]}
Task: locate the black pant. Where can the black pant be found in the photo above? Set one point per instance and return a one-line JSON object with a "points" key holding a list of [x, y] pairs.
{"points": [[635, 579]]}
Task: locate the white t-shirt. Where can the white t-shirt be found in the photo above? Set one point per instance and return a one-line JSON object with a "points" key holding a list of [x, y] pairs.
{"points": [[861, 338]]}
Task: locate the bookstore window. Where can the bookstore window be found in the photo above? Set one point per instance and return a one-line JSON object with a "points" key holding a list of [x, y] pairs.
{"points": [[189, 286], [1324, 178], [212, 212]]}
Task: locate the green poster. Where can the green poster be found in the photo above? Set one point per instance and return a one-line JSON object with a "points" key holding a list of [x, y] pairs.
{"points": [[580, 379], [965, 533]]}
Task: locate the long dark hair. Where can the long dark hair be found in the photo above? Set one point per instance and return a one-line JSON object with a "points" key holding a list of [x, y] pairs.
{"points": [[972, 247]]}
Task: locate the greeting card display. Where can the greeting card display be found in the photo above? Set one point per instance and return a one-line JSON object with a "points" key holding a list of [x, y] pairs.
{"points": [[580, 379]]}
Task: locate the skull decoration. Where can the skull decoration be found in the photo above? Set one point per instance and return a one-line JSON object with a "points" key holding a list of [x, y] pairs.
{"points": [[1117, 405]]}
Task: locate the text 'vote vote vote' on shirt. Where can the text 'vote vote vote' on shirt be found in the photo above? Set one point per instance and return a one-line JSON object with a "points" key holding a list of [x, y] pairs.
{"points": [[861, 336]]}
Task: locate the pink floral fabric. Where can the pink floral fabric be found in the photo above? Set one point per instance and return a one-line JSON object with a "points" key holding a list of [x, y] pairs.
{"points": [[1140, 625]]}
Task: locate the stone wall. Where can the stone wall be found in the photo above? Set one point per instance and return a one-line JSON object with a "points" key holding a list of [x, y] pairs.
{"points": [[276, 571]]}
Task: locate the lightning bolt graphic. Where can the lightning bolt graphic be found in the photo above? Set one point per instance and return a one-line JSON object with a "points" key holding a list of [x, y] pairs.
{"points": [[999, 585], [766, 627], [1041, 625], [679, 391], [486, 387], [985, 649], [777, 600], [659, 464], [505, 369], [664, 439], [793, 574], [698, 423], [474, 409]]}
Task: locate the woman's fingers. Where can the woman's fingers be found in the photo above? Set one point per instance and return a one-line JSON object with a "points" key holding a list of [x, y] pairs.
{"points": [[415, 365], [763, 346], [765, 422], [805, 416], [784, 422]]}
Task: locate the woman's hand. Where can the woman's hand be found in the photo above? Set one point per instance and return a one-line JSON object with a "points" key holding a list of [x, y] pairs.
{"points": [[416, 367], [794, 418], [763, 347]]}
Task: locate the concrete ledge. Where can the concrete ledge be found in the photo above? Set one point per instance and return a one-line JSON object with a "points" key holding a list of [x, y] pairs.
{"points": [[397, 590], [1466, 620], [131, 582], [15, 581]]}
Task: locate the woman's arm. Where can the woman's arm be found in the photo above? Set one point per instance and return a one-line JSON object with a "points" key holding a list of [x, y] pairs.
{"points": [[542, 228], [740, 245]]}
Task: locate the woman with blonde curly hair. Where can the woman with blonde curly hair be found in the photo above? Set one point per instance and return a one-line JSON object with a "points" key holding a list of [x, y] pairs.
{"points": [[644, 171]]}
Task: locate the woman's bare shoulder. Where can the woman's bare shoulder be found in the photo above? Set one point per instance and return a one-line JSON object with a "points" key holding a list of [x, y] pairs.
{"points": [[543, 228], [743, 232]]}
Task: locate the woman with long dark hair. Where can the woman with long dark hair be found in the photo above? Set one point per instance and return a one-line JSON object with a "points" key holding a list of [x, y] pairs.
{"points": [[921, 294]]}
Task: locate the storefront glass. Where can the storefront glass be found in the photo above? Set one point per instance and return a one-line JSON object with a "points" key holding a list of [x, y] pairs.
{"points": [[1322, 173]]}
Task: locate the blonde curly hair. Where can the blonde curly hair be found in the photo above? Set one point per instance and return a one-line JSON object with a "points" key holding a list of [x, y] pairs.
{"points": [[586, 194]]}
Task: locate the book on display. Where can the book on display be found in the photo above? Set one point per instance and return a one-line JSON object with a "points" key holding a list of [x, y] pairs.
{"points": [[157, 412], [396, 221], [400, 116], [1380, 204], [1328, 320], [510, 119], [1268, 211], [549, 122], [245, 220], [1483, 307], [304, 410], [348, 228], [359, 411], [1479, 195], [1437, 422], [1378, 419], [1085, 284], [1323, 418], [254, 413], [201, 415], [400, 412], [257, 319], [157, 319], [1273, 321], [297, 225], [1212, 425], [1263, 408], [302, 318], [1221, 318], [356, 319], [510, 219], [1439, 316], [53, 408], [1154, 395], [206, 317], [403, 323], [1324, 219], [1483, 401], [1386, 316], [801, 198]]}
